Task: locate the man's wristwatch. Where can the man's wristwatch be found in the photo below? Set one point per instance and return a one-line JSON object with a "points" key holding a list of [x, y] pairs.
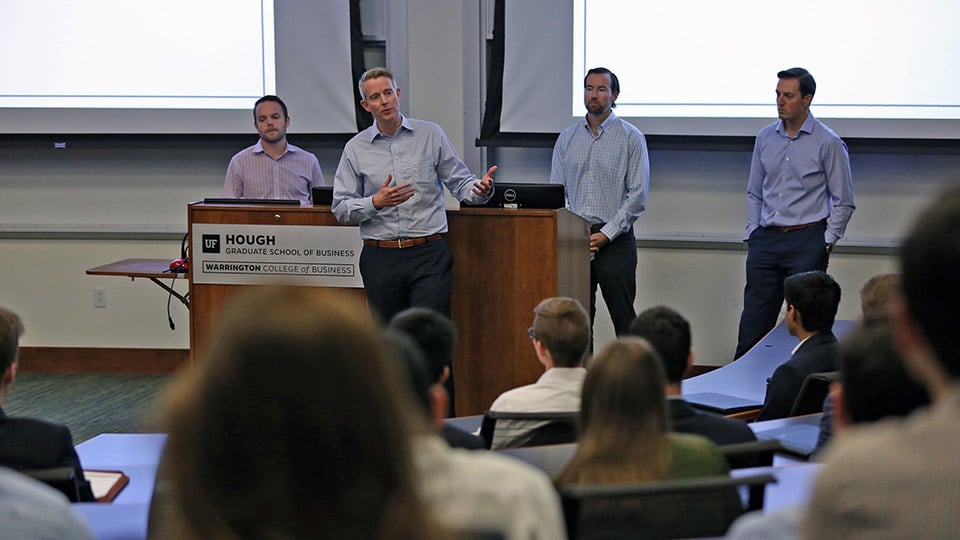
{"points": [[829, 247]]}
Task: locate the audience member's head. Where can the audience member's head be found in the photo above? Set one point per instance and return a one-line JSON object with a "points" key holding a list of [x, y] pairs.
{"points": [[877, 295], [875, 381], [562, 327], [418, 374], [433, 332], [928, 320], [669, 333], [623, 417], [11, 328], [294, 423], [815, 297]]}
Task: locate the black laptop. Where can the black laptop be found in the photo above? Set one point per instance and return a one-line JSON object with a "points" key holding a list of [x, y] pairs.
{"points": [[524, 195], [232, 200], [322, 196]]}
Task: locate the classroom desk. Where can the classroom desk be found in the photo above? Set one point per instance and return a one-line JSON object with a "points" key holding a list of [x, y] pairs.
{"points": [[137, 455], [742, 384], [794, 484], [470, 424], [798, 434], [152, 269], [549, 459], [120, 450]]}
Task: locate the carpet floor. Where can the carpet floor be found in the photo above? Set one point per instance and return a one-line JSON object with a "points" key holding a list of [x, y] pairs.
{"points": [[89, 403]]}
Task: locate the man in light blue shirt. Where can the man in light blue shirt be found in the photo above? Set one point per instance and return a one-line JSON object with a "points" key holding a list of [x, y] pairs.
{"points": [[272, 168], [603, 165], [390, 181], [799, 201]]}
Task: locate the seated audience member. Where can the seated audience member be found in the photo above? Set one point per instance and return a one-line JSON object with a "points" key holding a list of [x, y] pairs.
{"points": [[875, 386], [295, 425], [474, 491], [28, 443], [560, 335], [876, 296], [435, 334], [30, 510], [900, 479], [812, 301], [669, 333], [624, 435]]}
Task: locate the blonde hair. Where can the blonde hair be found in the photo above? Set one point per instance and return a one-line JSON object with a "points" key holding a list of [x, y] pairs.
{"points": [[623, 418], [375, 73]]}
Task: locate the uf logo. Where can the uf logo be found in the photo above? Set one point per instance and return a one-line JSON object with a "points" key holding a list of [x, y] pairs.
{"points": [[211, 243]]}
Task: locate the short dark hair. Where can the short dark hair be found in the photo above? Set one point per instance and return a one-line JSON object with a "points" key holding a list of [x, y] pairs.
{"points": [[414, 365], [614, 81], [808, 86], [433, 332], [876, 384], [273, 98], [930, 263], [816, 296], [11, 328], [669, 333]]}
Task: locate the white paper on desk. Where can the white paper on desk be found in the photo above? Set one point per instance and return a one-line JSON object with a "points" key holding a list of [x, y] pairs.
{"points": [[101, 482]]}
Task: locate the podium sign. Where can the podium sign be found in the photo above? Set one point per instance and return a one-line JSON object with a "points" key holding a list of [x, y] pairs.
{"points": [[312, 255]]}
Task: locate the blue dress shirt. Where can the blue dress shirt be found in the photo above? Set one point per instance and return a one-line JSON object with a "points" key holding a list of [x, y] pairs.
{"points": [[420, 153], [799, 180], [606, 177]]}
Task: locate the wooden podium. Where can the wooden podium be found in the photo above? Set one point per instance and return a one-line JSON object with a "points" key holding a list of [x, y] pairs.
{"points": [[207, 300], [505, 263]]}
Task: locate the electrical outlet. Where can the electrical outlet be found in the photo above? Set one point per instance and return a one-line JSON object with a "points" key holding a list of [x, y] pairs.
{"points": [[99, 297]]}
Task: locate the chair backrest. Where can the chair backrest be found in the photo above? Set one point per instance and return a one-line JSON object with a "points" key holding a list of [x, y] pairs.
{"points": [[751, 454], [692, 507], [517, 429], [814, 390], [62, 479]]}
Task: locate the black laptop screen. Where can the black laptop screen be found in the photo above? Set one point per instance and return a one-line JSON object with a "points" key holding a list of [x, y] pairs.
{"points": [[524, 195]]}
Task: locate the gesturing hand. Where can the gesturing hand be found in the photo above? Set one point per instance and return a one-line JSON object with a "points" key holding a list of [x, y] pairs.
{"points": [[484, 187], [392, 195]]}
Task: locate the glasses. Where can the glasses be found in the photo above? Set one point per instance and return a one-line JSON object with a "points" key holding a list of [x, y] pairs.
{"points": [[531, 334]]}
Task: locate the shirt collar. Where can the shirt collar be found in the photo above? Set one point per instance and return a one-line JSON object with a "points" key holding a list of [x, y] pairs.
{"points": [[374, 131], [801, 344], [258, 148], [612, 117], [807, 126]]}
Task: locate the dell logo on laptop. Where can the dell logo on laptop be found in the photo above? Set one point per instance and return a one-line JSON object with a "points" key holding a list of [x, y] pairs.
{"points": [[510, 195]]}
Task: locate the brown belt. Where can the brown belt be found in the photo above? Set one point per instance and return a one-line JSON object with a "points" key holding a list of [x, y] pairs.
{"points": [[403, 242], [788, 228]]}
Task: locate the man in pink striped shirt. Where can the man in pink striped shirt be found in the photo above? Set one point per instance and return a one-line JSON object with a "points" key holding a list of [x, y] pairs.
{"points": [[272, 168]]}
